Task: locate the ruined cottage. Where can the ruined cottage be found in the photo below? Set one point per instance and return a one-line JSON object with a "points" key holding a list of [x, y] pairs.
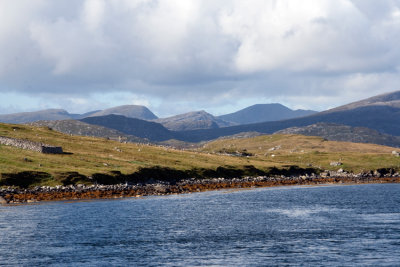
{"points": [[29, 145]]}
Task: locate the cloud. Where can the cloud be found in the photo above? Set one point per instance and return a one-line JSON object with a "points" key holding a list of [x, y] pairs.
{"points": [[319, 36], [213, 52]]}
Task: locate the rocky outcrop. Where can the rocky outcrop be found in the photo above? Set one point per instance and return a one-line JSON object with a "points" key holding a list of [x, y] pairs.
{"points": [[29, 145]]}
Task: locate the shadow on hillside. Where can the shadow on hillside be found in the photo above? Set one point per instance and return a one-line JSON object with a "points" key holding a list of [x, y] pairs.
{"points": [[147, 175]]}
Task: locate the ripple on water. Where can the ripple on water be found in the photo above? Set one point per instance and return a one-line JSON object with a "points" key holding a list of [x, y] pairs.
{"points": [[334, 225]]}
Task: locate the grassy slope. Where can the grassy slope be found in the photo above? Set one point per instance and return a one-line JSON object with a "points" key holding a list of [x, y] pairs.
{"points": [[304, 150], [96, 155]]}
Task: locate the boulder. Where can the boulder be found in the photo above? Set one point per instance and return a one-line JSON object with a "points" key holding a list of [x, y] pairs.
{"points": [[2, 200]]}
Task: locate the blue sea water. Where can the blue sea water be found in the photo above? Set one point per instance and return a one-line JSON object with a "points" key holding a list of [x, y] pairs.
{"points": [[308, 226]]}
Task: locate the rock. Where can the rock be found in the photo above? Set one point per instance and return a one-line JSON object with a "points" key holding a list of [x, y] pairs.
{"points": [[336, 163], [2, 200], [325, 174], [275, 148], [396, 153]]}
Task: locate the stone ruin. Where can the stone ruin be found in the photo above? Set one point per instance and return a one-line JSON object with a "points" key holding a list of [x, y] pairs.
{"points": [[29, 145]]}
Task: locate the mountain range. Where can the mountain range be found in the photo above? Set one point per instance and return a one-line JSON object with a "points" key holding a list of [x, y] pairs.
{"points": [[182, 122], [372, 120], [131, 111], [373, 113]]}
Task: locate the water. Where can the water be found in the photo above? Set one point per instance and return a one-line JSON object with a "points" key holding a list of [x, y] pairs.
{"points": [[332, 225]]}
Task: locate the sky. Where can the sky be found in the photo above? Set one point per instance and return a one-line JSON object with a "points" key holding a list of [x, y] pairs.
{"points": [[177, 56]]}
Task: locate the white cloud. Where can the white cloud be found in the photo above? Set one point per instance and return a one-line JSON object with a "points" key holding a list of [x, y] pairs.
{"points": [[204, 51], [327, 36]]}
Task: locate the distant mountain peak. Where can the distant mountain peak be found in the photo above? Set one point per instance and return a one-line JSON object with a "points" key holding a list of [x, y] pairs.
{"points": [[130, 111], [263, 113], [192, 121]]}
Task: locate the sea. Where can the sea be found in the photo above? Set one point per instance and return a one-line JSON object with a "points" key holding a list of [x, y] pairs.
{"points": [[347, 225]]}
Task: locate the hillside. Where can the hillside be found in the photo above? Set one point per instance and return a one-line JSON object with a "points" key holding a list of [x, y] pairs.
{"points": [[74, 127], [94, 156], [263, 113], [89, 155], [193, 121], [337, 132], [307, 151], [130, 111], [130, 126]]}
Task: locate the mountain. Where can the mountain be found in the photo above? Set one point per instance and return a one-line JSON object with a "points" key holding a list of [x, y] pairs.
{"points": [[192, 121], [130, 111], [75, 127], [47, 114], [131, 126], [378, 115], [389, 100], [84, 115], [337, 132], [264, 112]]}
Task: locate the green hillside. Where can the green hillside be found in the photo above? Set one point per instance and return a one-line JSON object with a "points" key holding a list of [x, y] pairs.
{"points": [[93, 156]]}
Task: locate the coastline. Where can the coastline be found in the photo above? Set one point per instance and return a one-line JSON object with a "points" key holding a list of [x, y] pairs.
{"points": [[82, 192]]}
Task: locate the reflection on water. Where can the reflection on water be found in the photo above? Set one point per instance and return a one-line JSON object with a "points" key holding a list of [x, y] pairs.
{"points": [[334, 225]]}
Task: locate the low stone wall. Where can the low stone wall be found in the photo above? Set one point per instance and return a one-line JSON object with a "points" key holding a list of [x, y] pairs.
{"points": [[29, 145]]}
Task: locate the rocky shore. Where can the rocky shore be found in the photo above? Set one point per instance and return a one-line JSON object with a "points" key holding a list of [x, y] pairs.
{"points": [[12, 195]]}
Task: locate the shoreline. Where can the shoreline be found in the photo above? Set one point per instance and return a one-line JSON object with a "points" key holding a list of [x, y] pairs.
{"points": [[82, 192]]}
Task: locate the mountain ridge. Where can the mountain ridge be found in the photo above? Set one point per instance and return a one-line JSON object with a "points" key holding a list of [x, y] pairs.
{"points": [[24, 117], [130, 111], [264, 112], [192, 121]]}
